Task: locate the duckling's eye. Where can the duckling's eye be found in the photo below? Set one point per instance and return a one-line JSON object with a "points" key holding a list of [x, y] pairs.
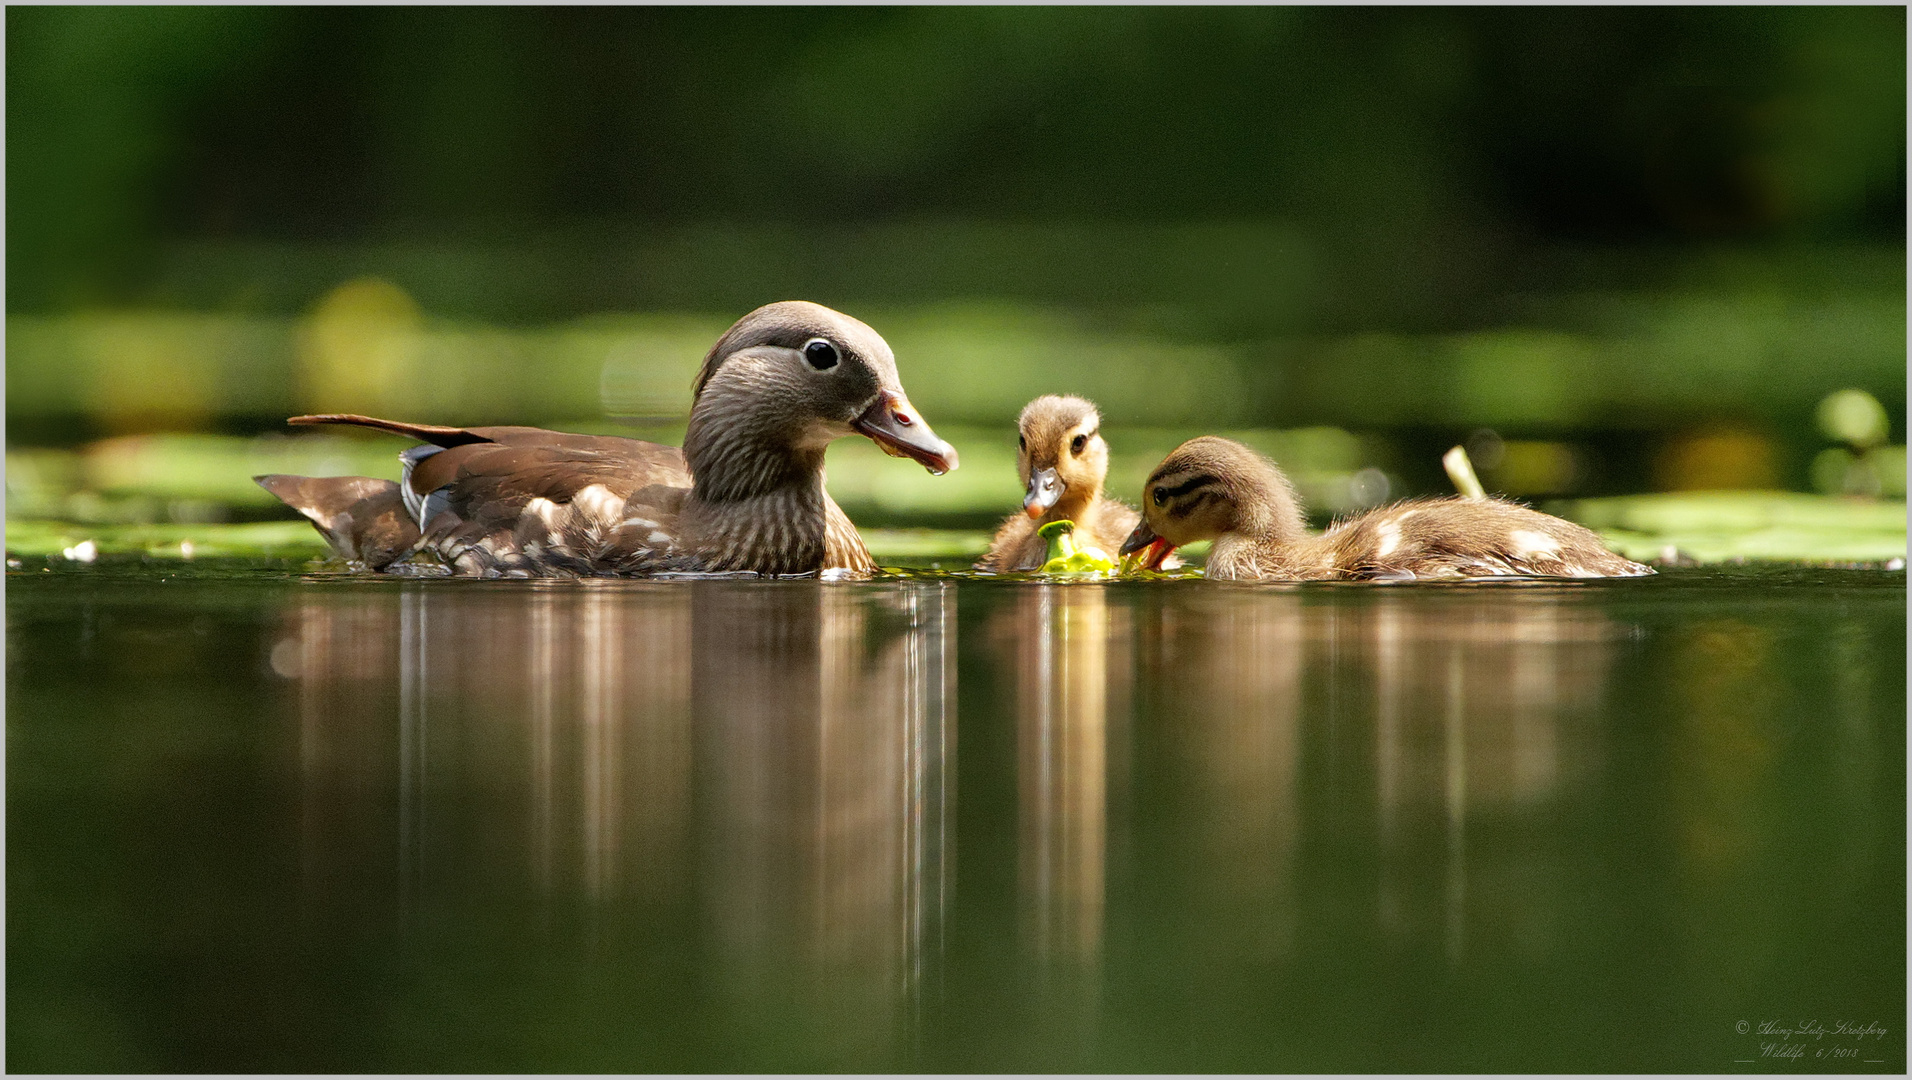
{"points": [[1022, 442], [821, 354], [1076, 444], [1160, 497]]}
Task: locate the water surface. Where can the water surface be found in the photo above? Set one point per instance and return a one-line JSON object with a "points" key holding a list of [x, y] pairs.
{"points": [[264, 821]]}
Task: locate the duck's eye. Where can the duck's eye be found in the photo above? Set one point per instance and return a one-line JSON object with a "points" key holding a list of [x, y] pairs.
{"points": [[1076, 444], [1159, 498], [1022, 442], [821, 354]]}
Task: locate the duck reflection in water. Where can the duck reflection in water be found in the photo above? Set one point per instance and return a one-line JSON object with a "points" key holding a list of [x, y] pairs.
{"points": [[763, 766], [1382, 726], [1068, 682], [1485, 707], [1223, 684], [764, 770], [826, 722]]}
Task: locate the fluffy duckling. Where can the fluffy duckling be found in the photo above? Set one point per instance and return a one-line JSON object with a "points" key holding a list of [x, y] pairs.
{"points": [[1213, 488], [744, 494], [1063, 461]]}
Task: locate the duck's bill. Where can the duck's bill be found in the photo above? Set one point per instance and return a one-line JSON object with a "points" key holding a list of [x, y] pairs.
{"points": [[1152, 548], [892, 423], [1045, 487]]}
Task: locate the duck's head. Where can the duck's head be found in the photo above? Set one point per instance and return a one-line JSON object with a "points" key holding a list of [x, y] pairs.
{"points": [[1207, 488], [1060, 455], [795, 376]]}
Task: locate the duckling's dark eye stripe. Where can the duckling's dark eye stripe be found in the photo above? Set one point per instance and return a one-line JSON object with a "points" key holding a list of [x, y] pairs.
{"points": [[1184, 487], [1180, 510]]}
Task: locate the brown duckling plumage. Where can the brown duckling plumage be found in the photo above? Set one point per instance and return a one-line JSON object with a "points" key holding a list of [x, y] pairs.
{"points": [[1063, 461], [744, 494], [1214, 488]]}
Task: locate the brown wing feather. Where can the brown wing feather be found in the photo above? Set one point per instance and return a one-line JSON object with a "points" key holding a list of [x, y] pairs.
{"points": [[485, 480], [556, 472], [363, 519], [486, 515], [431, 433], [437, 435]]}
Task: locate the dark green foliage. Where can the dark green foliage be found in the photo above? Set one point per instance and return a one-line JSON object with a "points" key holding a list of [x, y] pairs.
{"points": [[1423, 139]]}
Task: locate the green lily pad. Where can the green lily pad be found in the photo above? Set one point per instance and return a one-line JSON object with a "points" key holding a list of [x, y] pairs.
{"points": [[1732, 526]]}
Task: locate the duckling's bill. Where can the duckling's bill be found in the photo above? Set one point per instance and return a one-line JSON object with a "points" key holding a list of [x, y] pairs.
{"points": [[892, 423], [1045, 487], [1154, 549]]}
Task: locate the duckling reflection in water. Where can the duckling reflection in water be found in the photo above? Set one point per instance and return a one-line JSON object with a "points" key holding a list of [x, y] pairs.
{"points": [[1214, 488], [744, 494], [1063, 462]]}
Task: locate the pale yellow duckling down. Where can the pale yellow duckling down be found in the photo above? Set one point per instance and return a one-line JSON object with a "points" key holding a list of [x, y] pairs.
{"points": [[1063, 461]]}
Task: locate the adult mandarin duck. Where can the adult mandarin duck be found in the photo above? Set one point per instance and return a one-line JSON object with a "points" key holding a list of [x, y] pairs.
{"points": [[745, 493]]}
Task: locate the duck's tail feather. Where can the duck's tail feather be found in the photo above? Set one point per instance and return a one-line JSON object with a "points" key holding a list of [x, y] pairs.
{"points": [[364, 519], [431, 433]]}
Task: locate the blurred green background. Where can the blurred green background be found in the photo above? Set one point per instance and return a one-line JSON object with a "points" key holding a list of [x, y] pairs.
{"points": [[1613, 251]]}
